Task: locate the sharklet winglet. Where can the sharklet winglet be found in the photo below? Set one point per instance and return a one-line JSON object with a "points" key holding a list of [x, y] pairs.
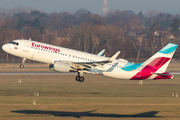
{"points": [[114, 57], [100, 54]]}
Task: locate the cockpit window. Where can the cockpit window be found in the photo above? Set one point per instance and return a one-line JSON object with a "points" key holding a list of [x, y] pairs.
{"points": [[15, 43]]}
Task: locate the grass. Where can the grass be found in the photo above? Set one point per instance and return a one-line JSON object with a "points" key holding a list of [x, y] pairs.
{"points": [[61, 97]]}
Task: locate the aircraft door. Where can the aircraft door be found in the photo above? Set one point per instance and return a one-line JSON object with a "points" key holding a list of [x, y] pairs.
{"points": [[26, 46]]}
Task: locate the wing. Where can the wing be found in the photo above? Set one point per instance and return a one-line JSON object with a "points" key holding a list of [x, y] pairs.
{"points": [[89, 65]]}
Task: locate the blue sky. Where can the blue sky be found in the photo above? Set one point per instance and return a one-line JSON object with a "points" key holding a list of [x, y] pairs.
{"points": [[95, 6]]}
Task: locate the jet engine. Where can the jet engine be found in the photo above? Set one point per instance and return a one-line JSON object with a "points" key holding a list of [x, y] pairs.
{"points": [[59, 66]]}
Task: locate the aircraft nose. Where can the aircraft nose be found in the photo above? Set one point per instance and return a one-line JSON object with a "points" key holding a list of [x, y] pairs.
{"points": [[5, 47]]}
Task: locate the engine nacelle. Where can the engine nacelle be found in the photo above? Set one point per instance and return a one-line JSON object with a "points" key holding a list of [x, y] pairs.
{"points": [[60, 66]]}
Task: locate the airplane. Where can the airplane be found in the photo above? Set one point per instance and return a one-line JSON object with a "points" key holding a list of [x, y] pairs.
{"points": [[62, 59]]}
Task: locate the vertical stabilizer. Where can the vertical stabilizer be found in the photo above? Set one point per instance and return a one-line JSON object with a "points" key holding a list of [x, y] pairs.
{"points": [[161, 59], [155, 67]]}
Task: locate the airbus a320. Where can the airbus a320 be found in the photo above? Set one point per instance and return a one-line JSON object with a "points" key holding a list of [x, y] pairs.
{"points": [[62, 59]]}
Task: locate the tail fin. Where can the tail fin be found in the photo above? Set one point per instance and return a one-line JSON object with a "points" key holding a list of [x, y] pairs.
{"points": [[157, 64], [161, 59]]}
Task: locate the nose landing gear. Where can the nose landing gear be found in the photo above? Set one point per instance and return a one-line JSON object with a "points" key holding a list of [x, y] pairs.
{"points": [[22, 64]]}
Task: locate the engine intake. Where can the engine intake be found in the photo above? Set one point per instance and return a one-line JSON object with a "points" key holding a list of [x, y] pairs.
{"points": [[59, 66]]}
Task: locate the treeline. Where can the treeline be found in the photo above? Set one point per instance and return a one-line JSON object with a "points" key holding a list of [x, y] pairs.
{"points": [[132, 34]]}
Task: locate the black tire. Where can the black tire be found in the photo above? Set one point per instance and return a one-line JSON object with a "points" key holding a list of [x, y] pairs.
{"points": [[77, 78], [81, 79], [21, 66]]}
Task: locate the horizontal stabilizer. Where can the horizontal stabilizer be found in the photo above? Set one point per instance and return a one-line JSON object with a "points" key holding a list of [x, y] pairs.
{"points": [[163, 74]]}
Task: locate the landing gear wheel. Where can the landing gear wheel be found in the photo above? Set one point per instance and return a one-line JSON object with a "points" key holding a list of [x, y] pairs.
{"points": [[21, 66], [77, 78], [81, 79]]}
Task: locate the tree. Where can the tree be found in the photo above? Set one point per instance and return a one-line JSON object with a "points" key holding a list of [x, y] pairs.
{"points": [[36, 23], [80, 16], [31, 32], [140, 15], [175, 27], [7, 35], [152, 39], [167, 22], [138, 43], [134, 25], [95, 19], [20, 23], [81, 37], [142, 18]]}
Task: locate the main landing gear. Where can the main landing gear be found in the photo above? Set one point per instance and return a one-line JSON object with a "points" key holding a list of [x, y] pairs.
{"points": [[80, 77], [22, 64]]}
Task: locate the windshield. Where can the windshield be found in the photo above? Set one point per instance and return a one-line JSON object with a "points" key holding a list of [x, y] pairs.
{"points": [[15, 43]]}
